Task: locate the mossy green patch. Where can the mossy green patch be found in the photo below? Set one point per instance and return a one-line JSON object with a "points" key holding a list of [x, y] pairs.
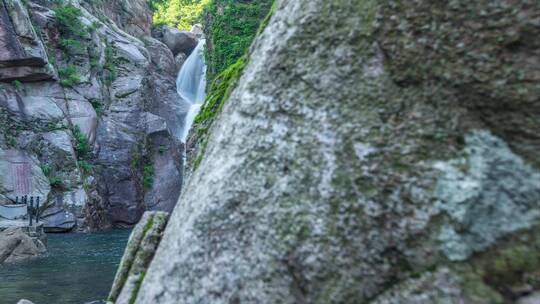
{"points": [[148, 176], [69, 76], [138, 284], [512, 264], [230, 27], [227, 56], [220, 91], [82, 145]]}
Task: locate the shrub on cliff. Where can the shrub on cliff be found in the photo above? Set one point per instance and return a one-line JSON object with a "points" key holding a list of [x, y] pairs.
{"points": [[230, 27], [178, 13], [68, 21]]}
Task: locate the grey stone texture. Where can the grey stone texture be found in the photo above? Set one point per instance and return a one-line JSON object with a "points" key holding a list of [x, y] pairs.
{"points": [[372, 152]]}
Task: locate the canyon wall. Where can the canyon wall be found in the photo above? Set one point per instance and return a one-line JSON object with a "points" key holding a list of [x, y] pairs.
{"points": [[84, 88]]}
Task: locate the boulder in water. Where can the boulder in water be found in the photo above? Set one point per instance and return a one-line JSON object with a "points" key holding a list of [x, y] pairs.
{"points": [[57, 219], [16, 245]]}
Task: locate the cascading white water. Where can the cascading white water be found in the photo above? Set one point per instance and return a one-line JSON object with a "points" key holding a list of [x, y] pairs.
{"points": [[191, 86]]}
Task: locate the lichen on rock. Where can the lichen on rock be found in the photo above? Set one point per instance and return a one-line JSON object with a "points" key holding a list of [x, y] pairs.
{"points": [[489, 193], [365, 153]]}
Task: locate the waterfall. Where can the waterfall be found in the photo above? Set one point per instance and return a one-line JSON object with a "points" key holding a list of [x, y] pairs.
{"points": [[191, 85]]}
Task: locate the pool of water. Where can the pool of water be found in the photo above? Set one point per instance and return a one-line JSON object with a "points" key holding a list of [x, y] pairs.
{"points": [[79, 268]]}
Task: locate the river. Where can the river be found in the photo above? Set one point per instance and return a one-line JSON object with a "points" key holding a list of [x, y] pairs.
{"points": [[79, 268]]}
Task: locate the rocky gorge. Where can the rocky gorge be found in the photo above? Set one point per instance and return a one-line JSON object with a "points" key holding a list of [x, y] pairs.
{"points": [[348, 151], [89, 111]]}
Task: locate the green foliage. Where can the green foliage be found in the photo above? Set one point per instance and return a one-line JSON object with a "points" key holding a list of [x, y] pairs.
{"points": [[94, 26], [94, 62], [156, 4], [98, 106], [110, 65], [68, 76], [46, 169], [82, 146], [177, 13], [18, 85], [53, 126], [231, 27], [67, 43], [220, 91], [200, 155], [85, 166], [55, 181], [148, 176], [68, 21]]}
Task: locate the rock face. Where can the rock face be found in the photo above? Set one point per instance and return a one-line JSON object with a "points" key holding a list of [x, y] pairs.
{"points": [[77, 82], [178, 41], [372, 152], [140, 250], [23, 55], [16, 245], [22, 175]]}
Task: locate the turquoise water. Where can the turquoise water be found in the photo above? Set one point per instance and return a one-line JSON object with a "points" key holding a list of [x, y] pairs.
{"points": [[79, 268]]}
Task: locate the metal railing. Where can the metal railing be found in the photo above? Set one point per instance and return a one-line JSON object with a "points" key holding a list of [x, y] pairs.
{"points": [[32, 210]]}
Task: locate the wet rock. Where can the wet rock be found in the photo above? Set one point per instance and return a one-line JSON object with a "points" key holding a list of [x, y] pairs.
{"points": [[140, 249], [16, 246], [178, 41], [179, 60], [56, 219]]}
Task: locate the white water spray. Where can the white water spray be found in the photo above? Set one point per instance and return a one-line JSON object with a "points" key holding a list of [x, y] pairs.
{"points": [[191, 86]]}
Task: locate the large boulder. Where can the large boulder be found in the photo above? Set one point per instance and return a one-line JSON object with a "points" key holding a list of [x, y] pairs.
{"points": [[371, 152], [16, 246], [166, 160], [57, 219], [161, 57], [178, 41]]}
